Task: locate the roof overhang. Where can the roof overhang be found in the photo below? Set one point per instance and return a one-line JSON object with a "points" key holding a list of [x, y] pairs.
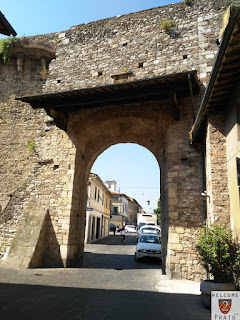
{"points": [[169, 87], [5, 27], [225, 74]]}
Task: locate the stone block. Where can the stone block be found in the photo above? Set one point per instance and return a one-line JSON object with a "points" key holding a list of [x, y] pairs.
{"points": [[173, 238]]}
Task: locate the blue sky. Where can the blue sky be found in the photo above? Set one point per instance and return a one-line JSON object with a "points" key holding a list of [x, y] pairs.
{"points": [[32, 17], [133, 167]]}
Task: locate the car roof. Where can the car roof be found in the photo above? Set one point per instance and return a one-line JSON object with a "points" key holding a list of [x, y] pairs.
{"points": [[150, 235], [149, 226]]}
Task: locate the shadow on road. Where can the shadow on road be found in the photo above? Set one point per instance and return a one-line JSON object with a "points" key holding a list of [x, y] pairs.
{"points": [[117, 262], [109, 253], [19, 301], [115, 240]]}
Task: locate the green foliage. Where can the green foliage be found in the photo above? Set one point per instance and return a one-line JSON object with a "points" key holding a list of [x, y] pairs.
{"points": [[31, 146], [187, 2], [158, 211], [5, 46], [219, 253], [167, 24]]}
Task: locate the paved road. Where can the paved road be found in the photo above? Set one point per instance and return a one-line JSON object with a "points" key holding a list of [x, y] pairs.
{"points": [[109, 285]]}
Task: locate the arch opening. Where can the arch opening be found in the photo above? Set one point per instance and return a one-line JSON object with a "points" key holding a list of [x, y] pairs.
{"points": [[124, 180], [136, 174]]}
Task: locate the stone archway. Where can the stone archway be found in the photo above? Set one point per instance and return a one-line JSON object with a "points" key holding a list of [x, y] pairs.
{"points": [[153, 115], [98, 129]]}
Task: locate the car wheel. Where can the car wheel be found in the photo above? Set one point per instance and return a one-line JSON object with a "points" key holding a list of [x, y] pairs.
{"points": [[136, 258]]}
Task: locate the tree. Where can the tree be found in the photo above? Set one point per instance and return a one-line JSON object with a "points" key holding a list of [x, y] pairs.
{"points": [[158, 211]]}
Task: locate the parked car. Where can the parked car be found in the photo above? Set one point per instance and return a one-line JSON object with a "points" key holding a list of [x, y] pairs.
{"points": [[149, 245], [130, 228], [148, 229]]}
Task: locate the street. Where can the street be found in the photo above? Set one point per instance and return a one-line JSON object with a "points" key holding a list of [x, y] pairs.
{"points": [[110, 284]]}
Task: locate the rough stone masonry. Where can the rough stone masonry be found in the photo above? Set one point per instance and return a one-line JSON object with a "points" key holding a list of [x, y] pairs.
{"points": [[46, 153]]}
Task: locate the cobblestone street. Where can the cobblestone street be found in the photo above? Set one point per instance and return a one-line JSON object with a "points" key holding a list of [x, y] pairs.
{"points": [[109, 285]]}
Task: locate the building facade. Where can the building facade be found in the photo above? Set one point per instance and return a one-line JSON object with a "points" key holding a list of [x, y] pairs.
{"points": [[98, 209], [119, 208], [133, 208], [111, 185]]}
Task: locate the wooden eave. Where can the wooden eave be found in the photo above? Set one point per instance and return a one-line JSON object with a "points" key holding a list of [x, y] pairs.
{"points": [[163, 88], [5, 27], [225, 75]]}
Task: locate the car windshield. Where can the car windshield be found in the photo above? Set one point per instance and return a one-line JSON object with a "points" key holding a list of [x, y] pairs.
{"points": [[150, 230], [149, 239], [140, 225]]}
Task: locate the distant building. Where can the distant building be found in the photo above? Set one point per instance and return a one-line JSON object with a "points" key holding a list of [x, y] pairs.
{"points": [[119, 208], [133, 208], [124, 209], [112, 185], [98, 209]]}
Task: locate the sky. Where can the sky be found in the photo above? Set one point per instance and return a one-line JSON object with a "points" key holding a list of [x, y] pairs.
{"points": [[133, 167], [33, 17]]}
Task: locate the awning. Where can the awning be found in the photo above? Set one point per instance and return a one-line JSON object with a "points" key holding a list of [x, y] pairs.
{"points": [[169, 87]]}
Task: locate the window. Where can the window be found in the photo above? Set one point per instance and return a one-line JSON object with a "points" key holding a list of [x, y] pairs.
{"points": [[116, 198], [98, 195], [238, 174], [238, 120], [115, 210], [95, 195]]}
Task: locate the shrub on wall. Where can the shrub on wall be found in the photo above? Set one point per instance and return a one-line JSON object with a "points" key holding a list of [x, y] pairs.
{"points": [[167, 24], [5, 46], [31, 146]]}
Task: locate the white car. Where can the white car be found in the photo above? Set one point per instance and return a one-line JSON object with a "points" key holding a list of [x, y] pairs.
{"points": [[148, 229], [149, 245], [130, 228]]}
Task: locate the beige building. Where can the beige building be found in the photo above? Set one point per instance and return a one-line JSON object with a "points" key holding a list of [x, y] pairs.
{"points": [[124, 209], [133, 208], [98, 209], [119, 208]]}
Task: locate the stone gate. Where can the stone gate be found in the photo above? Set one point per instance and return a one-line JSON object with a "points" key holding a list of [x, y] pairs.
{"points": [[66, 97]]}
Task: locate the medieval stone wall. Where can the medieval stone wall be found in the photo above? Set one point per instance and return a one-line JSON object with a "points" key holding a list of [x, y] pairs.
{"points": [[37, 161], [19, 124], [118, 49], [218, 202], [135, 46], [183, 186]]}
